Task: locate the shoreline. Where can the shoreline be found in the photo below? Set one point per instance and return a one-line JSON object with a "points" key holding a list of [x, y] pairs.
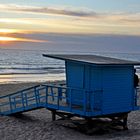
{"points": [[27, 78]]}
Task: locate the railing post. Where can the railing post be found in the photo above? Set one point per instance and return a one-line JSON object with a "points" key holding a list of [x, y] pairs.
{"points": [[59, 95], [52, 93], [14, 103], [46, 95], [10, 104], [22, 99], [26, 100], [60, 92], [137, 102], [36, 96], [85, 101], [70, 99]]}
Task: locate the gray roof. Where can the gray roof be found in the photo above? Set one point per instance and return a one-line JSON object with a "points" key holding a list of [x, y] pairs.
{"points": [[92, 59]]}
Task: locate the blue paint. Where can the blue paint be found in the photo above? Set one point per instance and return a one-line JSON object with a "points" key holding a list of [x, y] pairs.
{"points": [[91, 90], [110, 87]]}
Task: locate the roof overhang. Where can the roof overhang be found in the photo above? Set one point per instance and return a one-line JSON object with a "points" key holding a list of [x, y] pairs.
{"points": [[92, 59]]}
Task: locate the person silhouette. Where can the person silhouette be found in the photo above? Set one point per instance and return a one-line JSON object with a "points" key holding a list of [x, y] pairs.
{"points": [[136, 79], [136, 83]]}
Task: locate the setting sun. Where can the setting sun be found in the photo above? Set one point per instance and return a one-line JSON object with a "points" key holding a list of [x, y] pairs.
{"points": [[8, 30], [7, 39], [10, 39]]}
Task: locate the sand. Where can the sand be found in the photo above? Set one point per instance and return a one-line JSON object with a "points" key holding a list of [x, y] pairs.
{"points": [[37, 124]]}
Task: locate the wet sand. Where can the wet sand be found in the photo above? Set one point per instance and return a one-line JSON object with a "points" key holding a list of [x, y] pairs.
{"points": [[11, 78], [37, 124]]}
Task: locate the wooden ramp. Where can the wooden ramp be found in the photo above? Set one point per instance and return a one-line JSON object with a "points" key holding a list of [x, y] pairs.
{"points": [[22, 101], [41, 96]]}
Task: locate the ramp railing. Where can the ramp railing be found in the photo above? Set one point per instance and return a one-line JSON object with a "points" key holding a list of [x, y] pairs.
{"points": [[20, 101], [63, 98], [47, 96], [137, 96]]}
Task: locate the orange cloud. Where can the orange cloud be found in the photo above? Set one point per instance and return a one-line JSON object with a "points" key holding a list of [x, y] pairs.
{"points": [[31, 40]]}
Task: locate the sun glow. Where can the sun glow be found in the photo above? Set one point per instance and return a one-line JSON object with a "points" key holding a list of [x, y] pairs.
{"points": [[11, 31], [8, 30], [11, 39], [7, 39]]}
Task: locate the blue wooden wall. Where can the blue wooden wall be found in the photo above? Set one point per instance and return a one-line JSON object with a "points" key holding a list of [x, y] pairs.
{"points": [[117, 89], [112, 86], [75, 79]]}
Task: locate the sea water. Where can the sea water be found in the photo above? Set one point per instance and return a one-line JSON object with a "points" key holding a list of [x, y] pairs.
{"points": [[31, 66]]}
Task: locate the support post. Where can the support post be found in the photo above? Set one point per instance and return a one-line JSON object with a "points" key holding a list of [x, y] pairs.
{"points": [[53, 115], [125, 122]]}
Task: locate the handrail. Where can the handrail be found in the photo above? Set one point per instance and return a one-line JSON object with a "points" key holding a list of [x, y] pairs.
{"points": [[138, 87], [64, 87], [48, 85], [21, 99], [20, 91]]}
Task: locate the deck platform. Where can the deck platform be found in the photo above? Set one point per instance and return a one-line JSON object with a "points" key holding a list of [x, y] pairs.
{"points": [[52, 97]]}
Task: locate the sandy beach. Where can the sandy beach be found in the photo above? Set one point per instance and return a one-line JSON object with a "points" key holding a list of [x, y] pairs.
{"points": [[37, 124]]}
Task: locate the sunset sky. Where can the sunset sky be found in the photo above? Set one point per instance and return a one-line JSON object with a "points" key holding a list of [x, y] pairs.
{"points": [[43, 24]]}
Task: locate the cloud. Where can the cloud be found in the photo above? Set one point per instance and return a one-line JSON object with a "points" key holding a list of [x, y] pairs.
{"points": [[63, 43], [49, 10], [11, 35], [126, 17], [68, 20]]}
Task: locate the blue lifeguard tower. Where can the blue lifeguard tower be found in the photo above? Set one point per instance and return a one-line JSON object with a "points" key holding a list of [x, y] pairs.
{"points": [[96, 86]]}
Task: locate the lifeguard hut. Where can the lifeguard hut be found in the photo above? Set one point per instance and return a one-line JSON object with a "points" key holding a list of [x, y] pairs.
{"points": [[95, 86]]}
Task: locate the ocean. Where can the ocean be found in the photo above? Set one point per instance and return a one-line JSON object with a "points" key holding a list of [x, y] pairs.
{"points": [[31, 66]]}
